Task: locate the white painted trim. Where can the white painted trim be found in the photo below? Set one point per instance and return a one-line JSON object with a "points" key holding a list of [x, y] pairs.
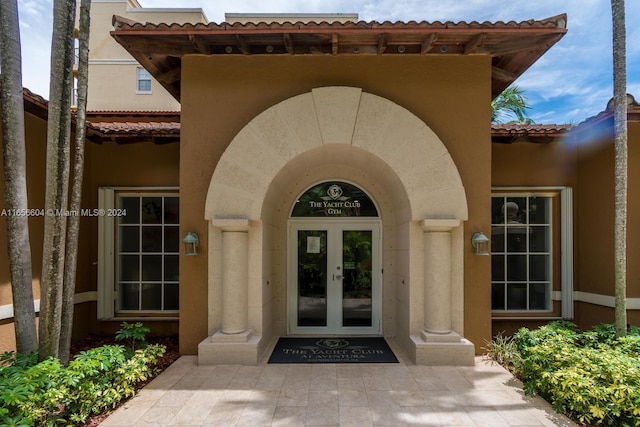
{"points": [[566, 251], [85, 297], [6, 311], [106, 267], [114, 62], [604, 300], [524, 319]]}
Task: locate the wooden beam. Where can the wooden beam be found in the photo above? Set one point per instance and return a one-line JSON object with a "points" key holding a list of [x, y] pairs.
{"points": [[334, 44], [427, 43], [170, 76], [502, 75], [243, 45], [288, 44], [474, 43], [525, 43], [197, 42], [382, 43]]}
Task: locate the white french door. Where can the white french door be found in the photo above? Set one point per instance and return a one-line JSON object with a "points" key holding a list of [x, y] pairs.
{"points": [[335, 277]]}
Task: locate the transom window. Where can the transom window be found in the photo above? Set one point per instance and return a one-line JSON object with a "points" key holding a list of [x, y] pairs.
{"points": [[521, 252], [334, 199]]}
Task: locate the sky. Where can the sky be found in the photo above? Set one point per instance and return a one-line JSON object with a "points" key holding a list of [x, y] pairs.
{"points": [[570, 83]]}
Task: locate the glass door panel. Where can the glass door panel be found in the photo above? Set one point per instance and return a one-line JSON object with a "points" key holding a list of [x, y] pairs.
{"points": [[335, 277], [312, 278], [357, 287]]}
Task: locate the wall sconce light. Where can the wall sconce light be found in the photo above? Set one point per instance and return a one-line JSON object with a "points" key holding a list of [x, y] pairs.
{"points": [[480, 243], [191, 241]]}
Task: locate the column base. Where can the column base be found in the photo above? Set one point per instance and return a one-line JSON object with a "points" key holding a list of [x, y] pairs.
{"points": [[220, 336], [435, 337], [460, 352], [230, 349]]}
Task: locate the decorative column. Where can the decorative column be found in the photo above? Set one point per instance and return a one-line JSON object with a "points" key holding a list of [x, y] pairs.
{"points": [[437, 279], [235, 280]]}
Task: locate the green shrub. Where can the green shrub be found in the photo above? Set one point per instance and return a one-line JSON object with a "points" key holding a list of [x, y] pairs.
{"points": [[134, 333], [48, 394], [504, 351], [592, 376]]}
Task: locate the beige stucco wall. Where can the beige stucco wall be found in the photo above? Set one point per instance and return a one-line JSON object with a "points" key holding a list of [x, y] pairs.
{"points": [[36, 141], [594, 229], [222, 95], [112, 71]]}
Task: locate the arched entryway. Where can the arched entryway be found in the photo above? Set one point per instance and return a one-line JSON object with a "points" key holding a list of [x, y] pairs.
{"points": [[334, 133]]}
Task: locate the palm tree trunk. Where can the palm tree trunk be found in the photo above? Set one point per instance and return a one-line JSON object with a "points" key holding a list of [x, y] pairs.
{"points": [[620, 143], [57, 176], [15, 188], [73, 232]]}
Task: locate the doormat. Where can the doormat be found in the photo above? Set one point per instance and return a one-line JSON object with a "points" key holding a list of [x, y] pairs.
{"points": [[332, 350]]}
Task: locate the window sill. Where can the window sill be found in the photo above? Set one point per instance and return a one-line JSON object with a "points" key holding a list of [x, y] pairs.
{"points": [[141, 318], [505, 318]]}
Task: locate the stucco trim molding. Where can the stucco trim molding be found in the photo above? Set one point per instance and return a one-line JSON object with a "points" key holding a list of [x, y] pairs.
{"points": [[336, 115], [6, 311], [604, 300]]}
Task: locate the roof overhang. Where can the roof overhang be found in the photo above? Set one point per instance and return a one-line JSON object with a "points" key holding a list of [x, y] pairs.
{"points": [[513, 46]]}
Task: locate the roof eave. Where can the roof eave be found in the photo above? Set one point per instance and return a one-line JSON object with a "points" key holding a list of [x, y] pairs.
{"points": [[514, 47]]}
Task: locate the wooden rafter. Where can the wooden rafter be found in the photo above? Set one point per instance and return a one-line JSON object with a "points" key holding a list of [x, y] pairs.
{"points": [[428, 43], [502, 75], [525, 44], [199, 45], [243, 46], [474, 43], [288, 44], [382, 43], [170, 76]]}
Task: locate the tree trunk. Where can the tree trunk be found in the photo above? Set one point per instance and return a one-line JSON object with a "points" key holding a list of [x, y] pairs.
{"points": [[57, 176], [620, 143], [15, 190], [71, 261]]}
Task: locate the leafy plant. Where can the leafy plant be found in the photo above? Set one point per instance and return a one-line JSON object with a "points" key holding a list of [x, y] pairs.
{"points": [[592, 376], [503, 350], [134, 333], [49, 394]]}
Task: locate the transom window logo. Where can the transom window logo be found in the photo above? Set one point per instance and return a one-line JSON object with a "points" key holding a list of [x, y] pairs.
{"points": [[335, 193]]}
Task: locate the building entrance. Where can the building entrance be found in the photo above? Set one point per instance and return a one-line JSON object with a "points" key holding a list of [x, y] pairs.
{"points": [[335, 262]]}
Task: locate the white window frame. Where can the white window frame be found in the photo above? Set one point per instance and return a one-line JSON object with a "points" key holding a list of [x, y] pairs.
{"points": [[146, 76], [566, 245], [107, 295]]}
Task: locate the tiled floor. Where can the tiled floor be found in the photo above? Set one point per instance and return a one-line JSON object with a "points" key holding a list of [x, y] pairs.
{"points": [[334, 395]]}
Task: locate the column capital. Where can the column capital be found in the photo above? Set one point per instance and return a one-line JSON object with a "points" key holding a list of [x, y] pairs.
{"points": [[439, 224], [231, 224]]}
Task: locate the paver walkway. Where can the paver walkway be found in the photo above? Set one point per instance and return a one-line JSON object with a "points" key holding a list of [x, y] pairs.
{"points": [[335, 395]]}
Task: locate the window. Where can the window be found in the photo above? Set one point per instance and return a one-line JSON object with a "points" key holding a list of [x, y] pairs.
{"points": [[531, 264], [144, 81], [139, 253]]}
